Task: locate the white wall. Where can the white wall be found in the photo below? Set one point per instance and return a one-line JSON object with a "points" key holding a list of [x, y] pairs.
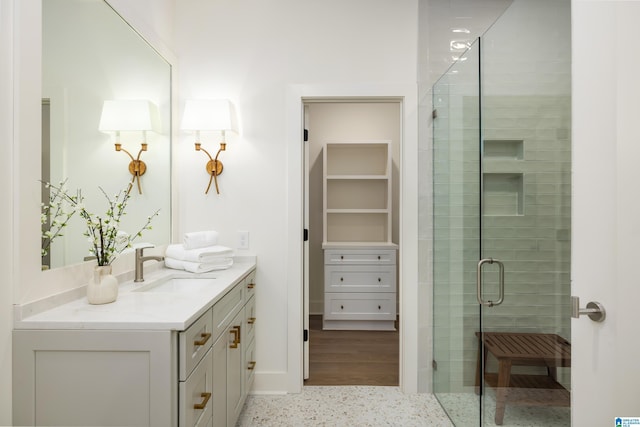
{"points": [[6, 218], [251, 53]]}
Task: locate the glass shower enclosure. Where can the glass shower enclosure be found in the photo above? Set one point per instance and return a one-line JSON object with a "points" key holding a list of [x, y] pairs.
{"points": [[501, 223]]}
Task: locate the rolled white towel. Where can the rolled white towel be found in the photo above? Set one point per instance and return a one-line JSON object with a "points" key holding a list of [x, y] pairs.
{"points": [[200, 239], [206, 254]]}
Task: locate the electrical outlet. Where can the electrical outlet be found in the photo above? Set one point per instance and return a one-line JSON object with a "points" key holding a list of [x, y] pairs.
{"points": [[243, 240]]}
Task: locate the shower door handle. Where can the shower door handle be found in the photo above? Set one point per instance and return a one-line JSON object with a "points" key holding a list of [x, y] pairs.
{"points": [[500, 282]]}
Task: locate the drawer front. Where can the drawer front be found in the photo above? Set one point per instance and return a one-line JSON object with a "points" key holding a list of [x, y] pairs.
{"points": [[249, 286], [250, 367], [360, 278], [196, 394], [360, 256], [360, 306], [225, 309], [194, 343], [249, 320]]}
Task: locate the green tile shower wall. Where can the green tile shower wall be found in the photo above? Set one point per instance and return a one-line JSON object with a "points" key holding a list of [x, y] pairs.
{"points": [[533, 243]]}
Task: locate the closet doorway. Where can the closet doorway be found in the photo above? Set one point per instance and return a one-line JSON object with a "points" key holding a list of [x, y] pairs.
{"points": [[358, 352]]}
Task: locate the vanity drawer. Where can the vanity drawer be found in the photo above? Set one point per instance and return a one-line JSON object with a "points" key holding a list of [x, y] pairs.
{"points": [[360, 278], [249, 285], [359, 306], [250, 367], [249, 320], [225, 309], [360, 256], [196, 395], [194, 343]]}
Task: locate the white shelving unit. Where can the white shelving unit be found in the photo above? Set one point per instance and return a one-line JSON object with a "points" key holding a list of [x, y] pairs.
{"points": [[360, 257]]}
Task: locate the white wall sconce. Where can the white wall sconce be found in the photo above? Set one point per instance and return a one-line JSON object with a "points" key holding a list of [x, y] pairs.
{"points": [[130, 116], [209, 115]]}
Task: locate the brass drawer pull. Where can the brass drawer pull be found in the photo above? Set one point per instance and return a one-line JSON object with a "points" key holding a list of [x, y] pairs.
{"points": [[205, 399], [236, 337], [205, 337], [251, 285], [251, 320], [252, 365]]}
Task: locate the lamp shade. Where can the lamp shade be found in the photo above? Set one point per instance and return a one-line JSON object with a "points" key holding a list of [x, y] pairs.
{"points": [[207, 114], [129, 115]]}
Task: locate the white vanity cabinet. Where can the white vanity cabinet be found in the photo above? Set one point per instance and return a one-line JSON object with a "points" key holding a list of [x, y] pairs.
{"points": [[197, 376], [230, 351]]}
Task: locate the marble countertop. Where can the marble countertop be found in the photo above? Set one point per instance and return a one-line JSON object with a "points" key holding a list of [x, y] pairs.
{"points": [[140, 307]]}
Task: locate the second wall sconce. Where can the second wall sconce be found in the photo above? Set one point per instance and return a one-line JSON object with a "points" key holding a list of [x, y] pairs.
{"points": [[209, 115], [130, 116]]}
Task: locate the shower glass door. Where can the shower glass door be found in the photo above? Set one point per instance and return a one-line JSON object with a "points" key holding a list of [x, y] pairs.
{"points": [[501, 224], [456, 237]]}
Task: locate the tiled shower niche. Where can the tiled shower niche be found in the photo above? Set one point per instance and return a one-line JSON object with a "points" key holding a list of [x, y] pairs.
{"points": [[503, 178]]}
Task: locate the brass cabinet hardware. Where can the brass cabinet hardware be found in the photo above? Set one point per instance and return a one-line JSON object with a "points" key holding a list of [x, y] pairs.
{"points": [[252, 365], [251, 320], [236, 337], [205, 399], [205, 337], [251, 285]]}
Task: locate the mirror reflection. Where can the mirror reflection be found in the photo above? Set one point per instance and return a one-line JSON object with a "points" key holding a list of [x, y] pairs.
{"points": [[91, 55]]}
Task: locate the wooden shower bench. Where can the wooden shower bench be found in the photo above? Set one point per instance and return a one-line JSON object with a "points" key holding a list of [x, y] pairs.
{"points": [[524, 349]]}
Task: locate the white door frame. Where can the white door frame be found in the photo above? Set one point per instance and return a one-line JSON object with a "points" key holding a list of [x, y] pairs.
{"points": [[408, 224]]}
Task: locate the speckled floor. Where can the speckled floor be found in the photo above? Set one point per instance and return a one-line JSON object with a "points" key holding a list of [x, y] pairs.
{"points": [[369, 406], [344, 406], [464, 407]]}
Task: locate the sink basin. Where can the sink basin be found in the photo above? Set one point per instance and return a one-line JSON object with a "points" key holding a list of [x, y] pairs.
{"points": [[180, 285]]}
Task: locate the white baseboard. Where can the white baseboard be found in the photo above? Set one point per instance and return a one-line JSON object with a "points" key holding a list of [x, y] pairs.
{"points": [[270, 383]]}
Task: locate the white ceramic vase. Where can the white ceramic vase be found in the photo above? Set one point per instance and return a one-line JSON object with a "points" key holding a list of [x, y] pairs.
{"points": [[103, 286]]}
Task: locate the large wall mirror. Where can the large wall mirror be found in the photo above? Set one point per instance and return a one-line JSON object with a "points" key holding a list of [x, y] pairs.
{"points": [[89, 55]]}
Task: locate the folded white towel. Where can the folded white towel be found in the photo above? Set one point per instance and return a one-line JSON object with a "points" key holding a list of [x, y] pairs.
{"points": [[200, 239], [198, 267], [206, 254]]}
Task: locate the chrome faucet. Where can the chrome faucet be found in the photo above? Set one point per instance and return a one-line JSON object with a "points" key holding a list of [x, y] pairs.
{"points": [[140, 259]]}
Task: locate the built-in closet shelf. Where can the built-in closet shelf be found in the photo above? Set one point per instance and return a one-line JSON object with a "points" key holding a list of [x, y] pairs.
{"points": [[356, 177], [360, 258]]}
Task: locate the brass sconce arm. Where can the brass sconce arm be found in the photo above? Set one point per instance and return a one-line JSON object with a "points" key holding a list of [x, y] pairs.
{"points": [[137, 167], [214, 166]]}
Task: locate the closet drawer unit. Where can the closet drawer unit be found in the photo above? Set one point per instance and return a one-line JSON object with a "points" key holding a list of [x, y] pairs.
{"points": [[194, 343], [196, 393], [360, 256], [358, 306], [225, 309], [249, 286], [360, 278], [249, 329]]}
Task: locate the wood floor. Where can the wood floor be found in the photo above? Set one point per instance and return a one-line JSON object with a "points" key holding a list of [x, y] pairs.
{"points": [[352, 357]]}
